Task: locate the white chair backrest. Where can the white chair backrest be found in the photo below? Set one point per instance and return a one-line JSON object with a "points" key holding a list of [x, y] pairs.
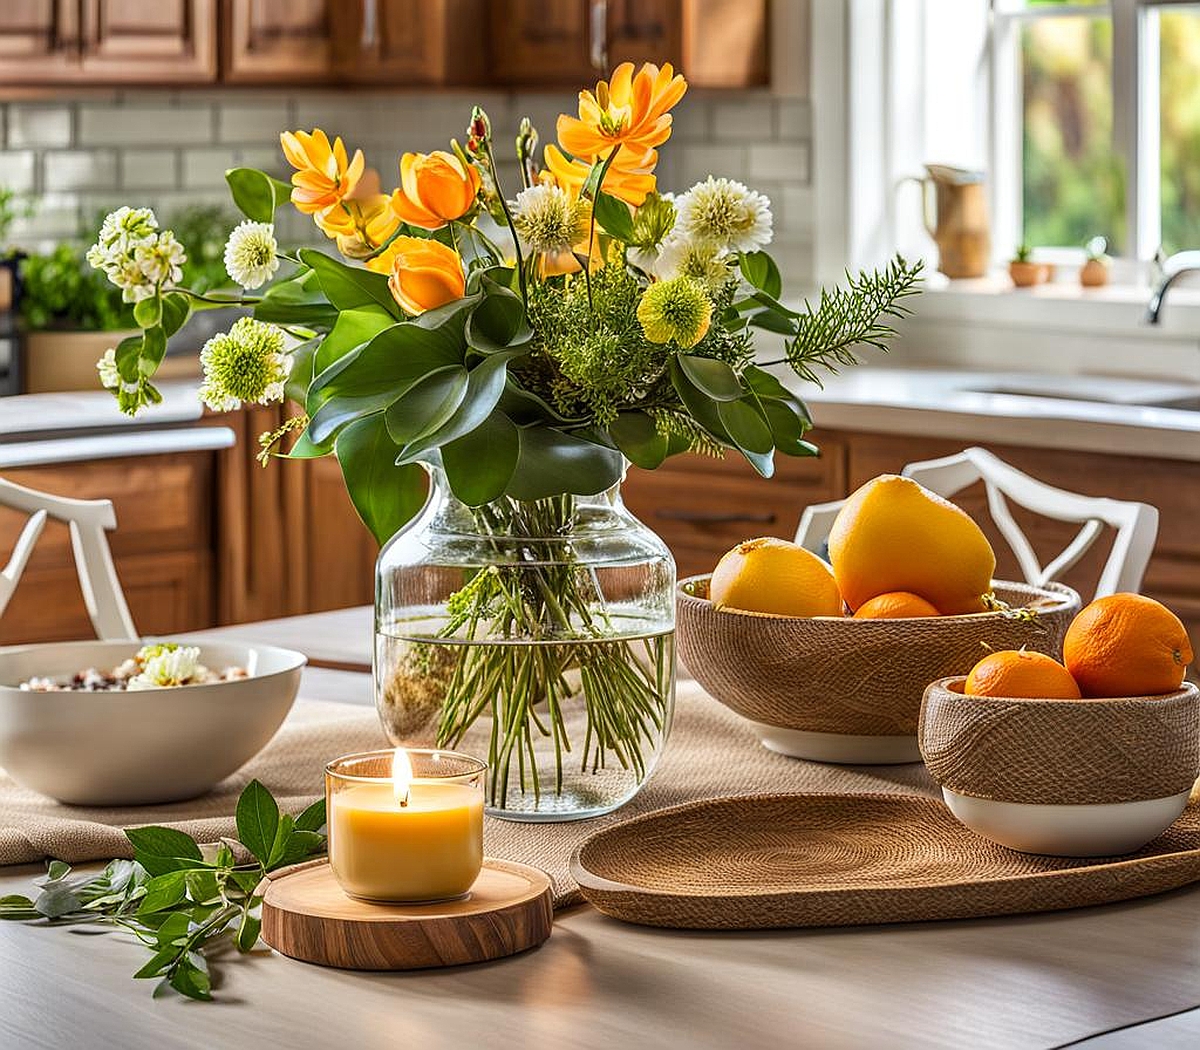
{"points": [[87, 520], [1136, 524]]}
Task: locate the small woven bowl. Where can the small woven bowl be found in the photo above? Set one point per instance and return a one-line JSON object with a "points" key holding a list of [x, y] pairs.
{"points": [[1072, 778], [836, 689]]}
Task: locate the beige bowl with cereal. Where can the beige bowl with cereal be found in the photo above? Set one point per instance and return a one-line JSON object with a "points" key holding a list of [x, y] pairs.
{"points": [[138, 742]]}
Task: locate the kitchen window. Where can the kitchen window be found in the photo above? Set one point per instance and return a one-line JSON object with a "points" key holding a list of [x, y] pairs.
{"points": [[1096, 123]]}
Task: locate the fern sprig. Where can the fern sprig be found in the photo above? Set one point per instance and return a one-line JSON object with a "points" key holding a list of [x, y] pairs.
{"points": [[851, 316]]}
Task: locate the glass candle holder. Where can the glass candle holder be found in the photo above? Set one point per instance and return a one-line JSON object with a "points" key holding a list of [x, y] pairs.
{"points": [[405, 826]]}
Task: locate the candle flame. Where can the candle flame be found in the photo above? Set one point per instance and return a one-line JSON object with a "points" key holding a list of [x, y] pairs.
{"points": [[402, 775]]}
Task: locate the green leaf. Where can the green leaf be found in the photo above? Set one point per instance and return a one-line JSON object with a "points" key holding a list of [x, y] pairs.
{"points": [[348, 287], [760, 270], [255, 193], [300, 844], [176, 309], [426, 405], [158, 963], [203, 886], [552, 462], [298, 300], [386, 496], [313, 818], [160, 850], [788, 428], [338, 413], [283, 835], [764, 384], [480, 464], [703, 409], [485, 384], [353, 328], [304, 358], [148, 312], [163, 892], [498, 321], [257, 820], [16, 907], [614, 216], [638, 437], [772, 321], [154, 349], [174, 930], [188, 979], [745, 424], [711, 377], [247, 934], [57, 870]]}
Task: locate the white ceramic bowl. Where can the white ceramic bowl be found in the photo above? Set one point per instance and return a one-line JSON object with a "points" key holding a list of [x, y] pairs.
{"points": [[141, 747]]}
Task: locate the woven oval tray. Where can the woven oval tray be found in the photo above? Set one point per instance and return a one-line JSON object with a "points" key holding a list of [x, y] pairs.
{"points": [[847, 860]]}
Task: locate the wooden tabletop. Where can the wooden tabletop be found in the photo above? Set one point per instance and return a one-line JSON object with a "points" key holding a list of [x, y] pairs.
{"points": [[1026, 982]]}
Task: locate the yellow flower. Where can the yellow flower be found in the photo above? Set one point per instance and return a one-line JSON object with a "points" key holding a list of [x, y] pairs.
{"points": [[363, 221], [630, 178], [423, 273], [435, 188], [675, 311], [631, 111], [324, 176]]}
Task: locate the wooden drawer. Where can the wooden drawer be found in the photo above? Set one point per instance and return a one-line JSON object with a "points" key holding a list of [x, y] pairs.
{"points": [[701, 507]]}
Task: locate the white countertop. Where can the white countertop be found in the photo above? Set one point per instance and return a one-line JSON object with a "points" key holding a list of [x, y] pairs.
{"points": [[1094, 413], [91, 410]]}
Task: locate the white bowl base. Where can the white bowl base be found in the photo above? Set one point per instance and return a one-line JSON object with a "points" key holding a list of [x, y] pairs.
{"points": [[1098, 830], [840, 748]]}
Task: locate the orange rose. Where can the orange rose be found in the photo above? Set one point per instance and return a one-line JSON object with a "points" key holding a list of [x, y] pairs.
{"points": [[435, 188], [629, 111], [324, 176], [424, 273]]}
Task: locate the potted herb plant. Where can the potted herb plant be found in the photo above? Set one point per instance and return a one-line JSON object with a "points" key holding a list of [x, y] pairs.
{"points": [[1023, 270], [1094, 272], [484, 400]]}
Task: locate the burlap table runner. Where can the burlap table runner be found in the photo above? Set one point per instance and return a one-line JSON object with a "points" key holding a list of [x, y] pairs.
{"points": [[711, 752]]}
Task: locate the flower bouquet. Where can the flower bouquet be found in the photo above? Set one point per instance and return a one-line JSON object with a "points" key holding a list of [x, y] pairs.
{"points": [[521, 351]]}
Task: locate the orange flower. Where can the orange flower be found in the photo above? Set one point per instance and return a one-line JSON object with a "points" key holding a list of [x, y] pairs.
{"points": [[324, 177], [629, 111], [424, 273], [630, 182], [435, 188]]}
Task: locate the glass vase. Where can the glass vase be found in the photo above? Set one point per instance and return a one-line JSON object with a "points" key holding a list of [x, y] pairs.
{"points": [[537, 636]]}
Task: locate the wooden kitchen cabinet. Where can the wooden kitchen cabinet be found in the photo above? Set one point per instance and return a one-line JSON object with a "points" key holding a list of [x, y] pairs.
{"points": [[39, 41], [715, 43], [277, 41], [163, 547]]}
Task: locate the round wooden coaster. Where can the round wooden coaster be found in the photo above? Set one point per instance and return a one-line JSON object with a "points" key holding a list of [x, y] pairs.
{"points": [[305, 914]]}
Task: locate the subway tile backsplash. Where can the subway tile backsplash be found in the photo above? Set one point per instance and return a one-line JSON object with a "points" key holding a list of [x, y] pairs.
{"points": [[171, 149]]}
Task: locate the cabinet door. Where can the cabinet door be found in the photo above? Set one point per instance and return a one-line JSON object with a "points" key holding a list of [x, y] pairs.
{"points": [[39, 41], [149, 41], [644, 31], [399, 42], [725, 43], [278, 41], [545, 41]]}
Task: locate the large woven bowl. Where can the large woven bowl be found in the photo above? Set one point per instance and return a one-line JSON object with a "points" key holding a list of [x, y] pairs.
{"points": [[1076, 778], [836, 689]]}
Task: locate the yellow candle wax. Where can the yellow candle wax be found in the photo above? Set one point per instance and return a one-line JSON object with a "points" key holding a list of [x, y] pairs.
{"points": [[429, 849]]}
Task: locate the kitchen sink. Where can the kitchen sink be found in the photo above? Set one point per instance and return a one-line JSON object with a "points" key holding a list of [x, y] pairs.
{"points": [[1185, 402]]}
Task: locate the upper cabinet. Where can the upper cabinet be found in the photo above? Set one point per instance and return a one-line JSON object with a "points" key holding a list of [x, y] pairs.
{"points": [[377, 43], [107, 41], [716, 43]]}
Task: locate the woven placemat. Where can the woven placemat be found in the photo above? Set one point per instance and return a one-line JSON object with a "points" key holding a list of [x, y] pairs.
{"points": [[711, 752]]}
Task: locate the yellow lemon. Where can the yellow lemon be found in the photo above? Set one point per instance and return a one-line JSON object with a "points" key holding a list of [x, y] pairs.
{"points": [[769, 575], [894, 535]]}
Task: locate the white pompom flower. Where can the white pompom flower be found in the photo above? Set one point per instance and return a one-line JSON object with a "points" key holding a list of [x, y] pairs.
{"points": [[246, 364], [703, 261], [251, 257], [726, 213], [548, 220], [136, 256]]}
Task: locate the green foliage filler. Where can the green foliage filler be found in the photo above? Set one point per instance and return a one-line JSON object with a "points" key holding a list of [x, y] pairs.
{"points": [[60, 290], [182, 901]]}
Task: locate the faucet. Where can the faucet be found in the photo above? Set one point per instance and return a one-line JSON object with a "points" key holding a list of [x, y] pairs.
{"points": [[1173, 268]]}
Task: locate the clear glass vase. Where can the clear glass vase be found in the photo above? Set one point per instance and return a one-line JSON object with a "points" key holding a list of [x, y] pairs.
{"points": [[537, 636]]}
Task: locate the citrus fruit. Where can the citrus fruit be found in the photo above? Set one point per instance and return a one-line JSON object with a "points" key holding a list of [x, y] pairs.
{"points": [[895, 605], [1016, 672], [768, 575], [894, 535], [1127, 645]]}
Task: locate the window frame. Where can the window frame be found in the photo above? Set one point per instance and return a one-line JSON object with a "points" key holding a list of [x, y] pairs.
{"points": [[1136, 116]]}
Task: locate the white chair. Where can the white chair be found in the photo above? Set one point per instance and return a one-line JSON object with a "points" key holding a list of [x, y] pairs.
{"points": [[1136, 524], [87, 520]]}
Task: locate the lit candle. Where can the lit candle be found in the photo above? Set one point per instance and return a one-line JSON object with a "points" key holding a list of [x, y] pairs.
{"points": [[405, 825]]}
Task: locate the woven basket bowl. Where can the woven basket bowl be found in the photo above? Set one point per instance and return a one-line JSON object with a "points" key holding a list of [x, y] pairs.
{"points": [[837, 689], [1071, 777]]}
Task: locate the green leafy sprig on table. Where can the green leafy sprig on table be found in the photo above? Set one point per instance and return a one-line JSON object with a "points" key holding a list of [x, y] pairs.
{"points": [[179, 899]]}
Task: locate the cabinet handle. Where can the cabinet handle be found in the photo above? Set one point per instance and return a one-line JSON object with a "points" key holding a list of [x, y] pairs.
{"points": [[370, 27], [714, 517], [598, 35]]}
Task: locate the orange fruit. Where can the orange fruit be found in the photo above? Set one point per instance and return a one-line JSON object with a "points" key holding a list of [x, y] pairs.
{"points": [[894, 535], [895, 605], [1017, 673], [768, 575], [1127, 645]]}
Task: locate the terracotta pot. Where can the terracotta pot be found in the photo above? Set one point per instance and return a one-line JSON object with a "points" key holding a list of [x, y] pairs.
{"points": [[1094, 273], [1027, 274]]}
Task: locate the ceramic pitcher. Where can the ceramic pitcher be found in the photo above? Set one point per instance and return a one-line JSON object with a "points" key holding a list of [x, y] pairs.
{"points": [[956, 216]]}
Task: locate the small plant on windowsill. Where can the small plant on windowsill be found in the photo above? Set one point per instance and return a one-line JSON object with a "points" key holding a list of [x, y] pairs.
{"points": [[1094, 272], [1025, 273]]}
